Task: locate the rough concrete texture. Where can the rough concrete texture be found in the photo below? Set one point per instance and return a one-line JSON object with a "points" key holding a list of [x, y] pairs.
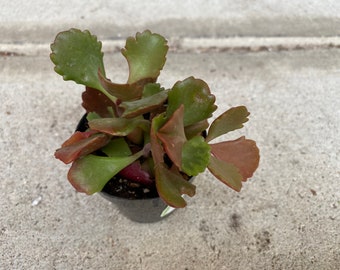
{"points": [[286, 216], [39, 20]]}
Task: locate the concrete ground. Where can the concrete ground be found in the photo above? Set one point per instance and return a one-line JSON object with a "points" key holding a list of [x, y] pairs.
{"points": [[281, 60]]}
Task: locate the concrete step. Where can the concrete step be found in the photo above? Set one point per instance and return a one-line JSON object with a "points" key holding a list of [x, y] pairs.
{"points": [[38, 21]]}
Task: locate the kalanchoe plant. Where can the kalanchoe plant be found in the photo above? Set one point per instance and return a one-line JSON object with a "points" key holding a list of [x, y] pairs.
{"points": [[149, 135]]}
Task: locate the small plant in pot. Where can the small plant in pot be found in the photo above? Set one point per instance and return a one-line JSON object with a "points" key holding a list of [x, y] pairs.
{"points": [[139, 144]]}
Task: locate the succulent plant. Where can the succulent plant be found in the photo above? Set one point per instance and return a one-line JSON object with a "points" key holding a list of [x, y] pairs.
{"points": [[142, 132]]}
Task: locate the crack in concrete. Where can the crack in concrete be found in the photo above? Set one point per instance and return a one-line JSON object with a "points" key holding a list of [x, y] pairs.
{"points": [[256, 44], [197, 45]]}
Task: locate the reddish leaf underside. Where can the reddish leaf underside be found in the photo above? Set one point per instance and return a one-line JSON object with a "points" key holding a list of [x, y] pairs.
{"points": [[156, 147], [170, 185], [78, 148], [96, 101], [135, 173], [242, 153], [126, 91], [173, 137], [78, 136]]}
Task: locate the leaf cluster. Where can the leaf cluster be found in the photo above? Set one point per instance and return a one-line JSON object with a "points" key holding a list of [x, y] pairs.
{"points": [[146, 133]]}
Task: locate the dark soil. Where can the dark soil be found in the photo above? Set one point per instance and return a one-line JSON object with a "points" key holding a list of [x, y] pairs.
{"points": [[130, 190]]}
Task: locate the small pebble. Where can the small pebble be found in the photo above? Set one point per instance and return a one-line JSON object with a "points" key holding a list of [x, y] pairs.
{"points": [[36, 201]]}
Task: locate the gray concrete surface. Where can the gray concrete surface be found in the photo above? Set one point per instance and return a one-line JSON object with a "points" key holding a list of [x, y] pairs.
{"points": [[286, 217], [38, 20]]}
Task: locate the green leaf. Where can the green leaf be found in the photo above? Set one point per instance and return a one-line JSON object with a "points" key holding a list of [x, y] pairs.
{"points": [[242, 153], [196, 129], [145, 55], [151, 89], [226, 172], [171, 185], [144, 105], [77, 56], [228, 121], [195, 95], [173, 137], [91, 116], [195, 156], [118, 126], [117, 148], [91, 173]]}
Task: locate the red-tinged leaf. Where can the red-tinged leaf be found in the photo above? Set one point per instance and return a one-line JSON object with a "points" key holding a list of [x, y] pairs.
{"points": [[79, 148], [228, 121], [171, 185], [78, 136], [96, 101], [242, 153], [126, 91], [173, 137], [156, 147], [135, 173], [117, 126], [225, 172]]}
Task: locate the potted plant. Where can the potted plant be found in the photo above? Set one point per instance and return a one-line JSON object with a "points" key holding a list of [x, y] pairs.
{"points": [[140, 143]]}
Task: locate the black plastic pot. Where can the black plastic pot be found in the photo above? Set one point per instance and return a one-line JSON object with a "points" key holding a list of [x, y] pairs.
{"points": [[140, 210]]}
